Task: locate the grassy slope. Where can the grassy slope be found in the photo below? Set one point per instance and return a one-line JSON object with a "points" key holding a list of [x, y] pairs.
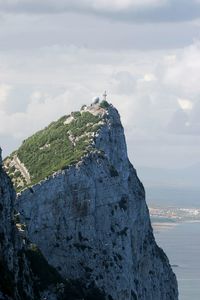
{"points": [[50, 149]]}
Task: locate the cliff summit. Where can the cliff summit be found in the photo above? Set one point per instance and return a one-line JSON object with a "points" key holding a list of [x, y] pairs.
{"points": [[84, 206]]}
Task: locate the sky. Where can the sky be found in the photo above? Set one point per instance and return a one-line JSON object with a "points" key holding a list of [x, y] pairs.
{"points": [[56, 56]]}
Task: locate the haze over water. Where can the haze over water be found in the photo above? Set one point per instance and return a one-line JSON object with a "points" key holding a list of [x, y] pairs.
{"points": [[181, 243]]}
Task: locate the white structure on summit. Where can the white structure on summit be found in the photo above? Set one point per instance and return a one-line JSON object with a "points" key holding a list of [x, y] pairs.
{"points": [[105, 96], [95, 100]]}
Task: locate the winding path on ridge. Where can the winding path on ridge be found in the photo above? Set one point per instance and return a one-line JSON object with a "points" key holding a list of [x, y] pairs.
{"points": [[22, 169]]}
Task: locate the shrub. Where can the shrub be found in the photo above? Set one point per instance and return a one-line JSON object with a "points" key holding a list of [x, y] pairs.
{"points": [[104, 104], [41, 161], [17, 173], [76, 114]]}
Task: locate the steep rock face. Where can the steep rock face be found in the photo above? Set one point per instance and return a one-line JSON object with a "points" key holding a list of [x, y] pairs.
{"points": [[91, 222], [15, 276], [24, 272]]}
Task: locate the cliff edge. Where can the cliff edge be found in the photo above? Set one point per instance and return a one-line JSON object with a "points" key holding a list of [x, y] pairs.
{"points": [[87, 212], [14, 266]]}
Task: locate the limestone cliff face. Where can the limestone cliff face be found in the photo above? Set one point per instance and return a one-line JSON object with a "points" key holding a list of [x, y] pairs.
{"points": [[91, 222], [15, 275], [24, 272]]}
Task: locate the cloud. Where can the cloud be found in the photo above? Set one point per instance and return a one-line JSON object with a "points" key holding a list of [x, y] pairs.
{"points": [[179, 122], [144, 90], [185, 104], [181, 75], [41, 110], [149, 77], [158, 110], [184, 70], [123, 83], [186, 122], [118, 5], [57, 55], [167, 98], [127, 10], [4, 92], [95, 5]]}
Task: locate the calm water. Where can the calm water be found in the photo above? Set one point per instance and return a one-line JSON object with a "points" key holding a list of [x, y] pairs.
{"points": [[182, 246]]}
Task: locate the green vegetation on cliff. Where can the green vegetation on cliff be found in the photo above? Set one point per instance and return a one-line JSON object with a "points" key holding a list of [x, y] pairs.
{"points": [[57, 146]]}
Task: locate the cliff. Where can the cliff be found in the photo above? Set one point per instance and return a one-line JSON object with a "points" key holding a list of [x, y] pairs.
{"points": [[88, 214], [14, 268]]}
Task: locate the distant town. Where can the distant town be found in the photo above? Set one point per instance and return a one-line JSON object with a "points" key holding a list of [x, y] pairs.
{"points": [[174, 215]]}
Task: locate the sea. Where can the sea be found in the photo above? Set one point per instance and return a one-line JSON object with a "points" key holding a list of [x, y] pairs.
{"points": [[181, 243]]}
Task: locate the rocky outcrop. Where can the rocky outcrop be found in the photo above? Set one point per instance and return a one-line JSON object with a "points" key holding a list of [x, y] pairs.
{"points": [[92, 223], [15, 276], [24, 272]]}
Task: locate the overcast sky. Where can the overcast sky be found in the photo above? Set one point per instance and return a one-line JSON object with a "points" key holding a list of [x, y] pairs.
{"points": [[57, 55]]}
